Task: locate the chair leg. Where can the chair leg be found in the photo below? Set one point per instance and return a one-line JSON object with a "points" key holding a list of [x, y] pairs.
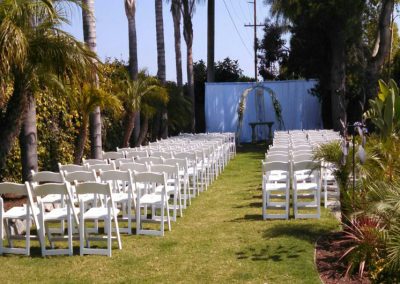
{"points": [[1, 232], [70, 228], [28, 236], [81, 234], [109, 234]]}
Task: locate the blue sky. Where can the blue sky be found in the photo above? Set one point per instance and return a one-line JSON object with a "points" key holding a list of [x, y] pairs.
{"points": [[112, 32]]}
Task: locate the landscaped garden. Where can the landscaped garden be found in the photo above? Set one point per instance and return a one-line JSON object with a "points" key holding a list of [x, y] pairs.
{"points": [[114, 170]]}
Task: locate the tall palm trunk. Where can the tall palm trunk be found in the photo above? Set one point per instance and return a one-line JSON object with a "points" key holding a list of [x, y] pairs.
{"points": [[143, 131], [130, 11], [176, 17], [89, 35], [210, 40], [129, 126], [11, 120], [187, 12], [28, 140], [162, 119], [81, 141]]}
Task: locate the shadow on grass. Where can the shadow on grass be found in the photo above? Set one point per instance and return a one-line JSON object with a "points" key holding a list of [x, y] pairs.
{"points": [[270, 253], [306, 232], [250, 205], [248, 217]]}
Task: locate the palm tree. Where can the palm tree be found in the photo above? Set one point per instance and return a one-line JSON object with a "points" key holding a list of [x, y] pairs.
{"points": [[131, 93], [130, 11], [85, 102], [176, 17], [187, 10], [161, 73], [89, 35], [34, 57]]}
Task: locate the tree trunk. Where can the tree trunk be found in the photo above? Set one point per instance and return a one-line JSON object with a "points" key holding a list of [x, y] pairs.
{"points": [[161, 73], [210, 40], [28, 140], [143, 131], [338, 82], [129, 125], [381, 49], [81, 141], [188, 36], [11, 121], [160, 42], [130, 11], [89, 35], [176, 16]]}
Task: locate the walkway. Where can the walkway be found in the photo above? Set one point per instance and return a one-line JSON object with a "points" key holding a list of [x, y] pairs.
{"points": [[220, 239]]}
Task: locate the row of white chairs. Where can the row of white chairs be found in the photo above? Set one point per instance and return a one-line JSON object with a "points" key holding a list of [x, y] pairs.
{"points": [[138, 190], [289, 163]]}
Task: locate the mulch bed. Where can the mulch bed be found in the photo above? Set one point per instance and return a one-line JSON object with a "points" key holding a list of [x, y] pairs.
{"points": [[12, 201], [331, 270]]}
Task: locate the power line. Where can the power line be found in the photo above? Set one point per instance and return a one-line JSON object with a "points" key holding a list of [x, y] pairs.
{"points": [[237, 31], [238, 16]]}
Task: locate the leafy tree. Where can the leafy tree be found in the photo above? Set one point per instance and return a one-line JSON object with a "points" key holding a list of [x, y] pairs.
{"points": [[272, 51], [34, 56]]}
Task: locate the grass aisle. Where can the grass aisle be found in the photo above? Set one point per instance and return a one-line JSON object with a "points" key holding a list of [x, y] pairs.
{"points": [[221, 239]]}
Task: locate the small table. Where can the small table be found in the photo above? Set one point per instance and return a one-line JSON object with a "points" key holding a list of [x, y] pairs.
{"points": [[253, 129]]}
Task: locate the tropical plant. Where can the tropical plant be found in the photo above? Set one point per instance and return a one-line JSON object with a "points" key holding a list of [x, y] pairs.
{"points": [[34, 56], [364, 238], [153, 100], [84, 100], [131, 94], [384, 110]]}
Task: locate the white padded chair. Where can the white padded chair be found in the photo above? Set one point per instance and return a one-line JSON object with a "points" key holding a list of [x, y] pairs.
{"points": [[149, 197], [273, 189], [306, 192], [123, 193], [23, 213], [66, 213], [107, 213]]}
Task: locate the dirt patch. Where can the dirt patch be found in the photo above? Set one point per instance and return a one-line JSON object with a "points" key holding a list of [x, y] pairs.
{"points": [[12, 201], [331, 270]]}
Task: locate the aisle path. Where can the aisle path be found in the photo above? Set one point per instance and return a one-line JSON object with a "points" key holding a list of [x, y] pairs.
{"points": [[220, 239]]}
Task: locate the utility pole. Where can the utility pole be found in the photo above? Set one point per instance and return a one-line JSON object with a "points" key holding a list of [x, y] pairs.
{"points": [[255, 25]]}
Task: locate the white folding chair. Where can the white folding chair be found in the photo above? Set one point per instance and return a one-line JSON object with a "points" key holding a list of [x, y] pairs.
{"points": [[123, 193], [274, 189], [110, 156], [306, 192], [108, 214], [23, 213], [71, 168], [66, 213], [91, 162], [173, 186], [149, 197], [183, 177]]}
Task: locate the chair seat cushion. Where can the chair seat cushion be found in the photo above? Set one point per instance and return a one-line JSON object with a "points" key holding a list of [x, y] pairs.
{"points": [[150, 199], [274, 186], [18, 212], [98, 213], [307, 186], [58, 214]]}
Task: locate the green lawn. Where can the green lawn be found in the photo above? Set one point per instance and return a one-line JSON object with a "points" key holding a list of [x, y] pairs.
{"points": [[221, 239]]}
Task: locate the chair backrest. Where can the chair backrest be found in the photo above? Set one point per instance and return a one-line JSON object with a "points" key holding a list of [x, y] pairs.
{"points": [[113, 155], [159, 178], [134, 167], [303, 157], [71, 168], [136, 154], [116, 175], [190, 157], [81, 176], [92, 162], [305, 165], [120, 161], [182, 163], [46, 177], [277, 158], [269, 166], [154, 160], [103, 167], [168, 169], [93, 187], [14, 188], [163, 154], [126, 149]]}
